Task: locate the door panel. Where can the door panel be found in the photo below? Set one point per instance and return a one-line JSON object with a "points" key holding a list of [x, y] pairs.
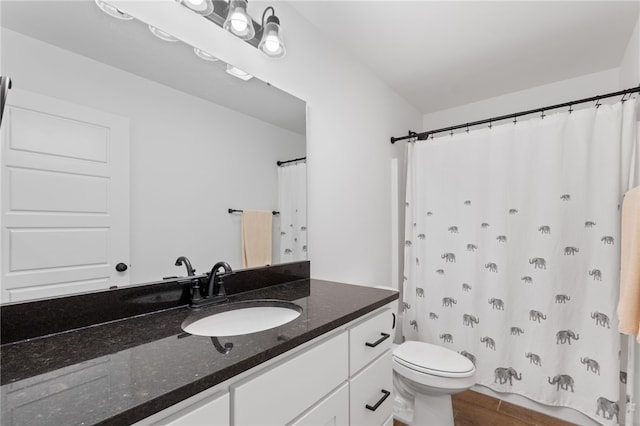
{"points": [[38, 132], [65, 198], [57, 192]]}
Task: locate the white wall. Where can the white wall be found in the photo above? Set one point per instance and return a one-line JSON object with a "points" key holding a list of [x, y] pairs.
{"points": [[630, 65], [549, 94], [351, 115], [185, 156]]}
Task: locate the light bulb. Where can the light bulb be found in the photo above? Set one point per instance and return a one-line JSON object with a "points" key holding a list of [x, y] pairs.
{"points": [[239, 22], [163, 35], [272, 43], [204, 55], [113, 11], [201, 7]]}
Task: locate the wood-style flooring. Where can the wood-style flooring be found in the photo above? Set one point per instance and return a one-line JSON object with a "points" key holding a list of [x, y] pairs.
{"points": [[475, 409]]}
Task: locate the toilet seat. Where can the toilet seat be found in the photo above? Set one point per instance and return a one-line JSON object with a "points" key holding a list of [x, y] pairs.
{"points": [[434, 360]]}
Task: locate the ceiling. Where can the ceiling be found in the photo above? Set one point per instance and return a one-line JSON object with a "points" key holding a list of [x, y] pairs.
{"points": [[442, 54], [435, 54], [81, 27]]}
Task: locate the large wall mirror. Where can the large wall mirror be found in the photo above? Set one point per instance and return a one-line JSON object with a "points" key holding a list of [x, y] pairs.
{"points": [[197, 142]]}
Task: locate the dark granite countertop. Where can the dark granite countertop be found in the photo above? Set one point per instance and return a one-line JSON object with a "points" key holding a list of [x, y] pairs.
{"points": [[125, 370]]}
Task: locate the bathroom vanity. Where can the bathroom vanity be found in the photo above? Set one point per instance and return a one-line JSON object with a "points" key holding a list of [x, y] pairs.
{"points": [[329, 364]]}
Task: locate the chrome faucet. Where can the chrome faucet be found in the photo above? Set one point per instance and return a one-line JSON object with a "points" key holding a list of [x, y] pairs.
{"points": [[183, 260], [216, 286]]}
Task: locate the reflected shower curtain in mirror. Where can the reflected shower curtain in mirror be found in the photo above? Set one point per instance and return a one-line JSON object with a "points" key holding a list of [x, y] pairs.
{"points": [[512, 253], [292, 205]]}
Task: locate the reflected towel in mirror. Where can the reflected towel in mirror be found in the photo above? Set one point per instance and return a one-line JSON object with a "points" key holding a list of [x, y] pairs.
{"points": [[256, 238]]}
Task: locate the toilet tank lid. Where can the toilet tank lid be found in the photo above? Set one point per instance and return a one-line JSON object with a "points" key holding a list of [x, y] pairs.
{"points": [[433, 358]]}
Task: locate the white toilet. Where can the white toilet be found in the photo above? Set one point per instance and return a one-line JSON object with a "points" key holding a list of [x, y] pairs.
{"points": [[424, 378]]}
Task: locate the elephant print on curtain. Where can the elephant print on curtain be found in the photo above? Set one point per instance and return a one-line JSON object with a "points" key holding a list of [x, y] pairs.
{"points": [[528, 213]]}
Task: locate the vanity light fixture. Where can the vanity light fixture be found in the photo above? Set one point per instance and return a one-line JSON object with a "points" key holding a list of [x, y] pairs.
{"points": [[232, 16], [204, 55], [163, 35], [113, 11], [237, 72], [271, 43], [238, 22], [201, 7]]}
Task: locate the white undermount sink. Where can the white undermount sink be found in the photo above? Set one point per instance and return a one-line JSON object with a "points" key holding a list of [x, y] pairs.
{"points": [[243, 318]]}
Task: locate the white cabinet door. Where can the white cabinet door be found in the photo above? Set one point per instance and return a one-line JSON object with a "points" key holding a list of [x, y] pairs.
{"points": [[282, 393], [332, 411], [65, 198], [371, 399]]}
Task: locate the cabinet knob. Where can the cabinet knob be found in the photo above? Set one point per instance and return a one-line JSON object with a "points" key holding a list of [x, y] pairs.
{"points": [[121, 267]]}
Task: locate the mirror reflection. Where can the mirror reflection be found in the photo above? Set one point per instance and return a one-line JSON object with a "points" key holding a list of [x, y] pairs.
{"points": [[122, 149]]}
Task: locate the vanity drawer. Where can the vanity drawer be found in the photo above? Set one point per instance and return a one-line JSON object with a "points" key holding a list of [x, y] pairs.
{"points": [[368, 405], [210, 411], [283, 392], [369, 340], [332, 411]]}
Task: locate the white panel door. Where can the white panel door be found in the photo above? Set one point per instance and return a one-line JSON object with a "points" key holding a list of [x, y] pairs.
{"points": [[65, 198]]}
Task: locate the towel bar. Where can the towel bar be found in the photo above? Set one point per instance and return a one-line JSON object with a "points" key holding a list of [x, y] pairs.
{"points": [[273, 212]]}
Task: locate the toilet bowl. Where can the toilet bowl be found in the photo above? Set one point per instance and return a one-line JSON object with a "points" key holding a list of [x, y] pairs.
{"points": [[424, 378]]}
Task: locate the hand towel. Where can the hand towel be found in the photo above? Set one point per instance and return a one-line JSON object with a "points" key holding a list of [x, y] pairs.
{"points": [[256, 238], [629, 304]]}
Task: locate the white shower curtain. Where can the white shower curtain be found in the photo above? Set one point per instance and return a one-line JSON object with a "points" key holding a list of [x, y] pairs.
{"points": [[512, 255], [292, 205]]}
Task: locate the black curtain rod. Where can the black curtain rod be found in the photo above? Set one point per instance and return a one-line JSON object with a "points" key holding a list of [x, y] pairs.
{"points": [[425, 135], [273, 212], [280, 163]]}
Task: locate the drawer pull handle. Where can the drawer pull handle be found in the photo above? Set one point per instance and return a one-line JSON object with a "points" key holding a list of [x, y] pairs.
{"points": [[384, 337], [375, 407]]}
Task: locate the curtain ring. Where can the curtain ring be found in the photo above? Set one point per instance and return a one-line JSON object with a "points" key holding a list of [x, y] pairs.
{"points": [[598, 103], [570, 109], [490, 124], [542, 115], [451, 133], [623, 100], [515, 119], [467, 128], [432, 136]]}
